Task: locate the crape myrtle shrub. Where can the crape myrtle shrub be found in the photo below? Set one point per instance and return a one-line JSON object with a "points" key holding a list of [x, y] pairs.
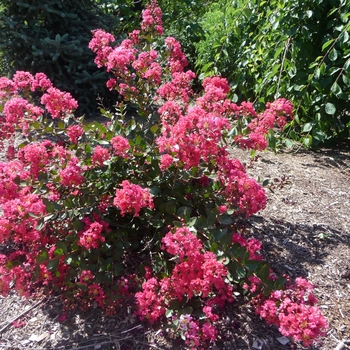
{"points": [[298, 50], [142, 213], [52, 37]]}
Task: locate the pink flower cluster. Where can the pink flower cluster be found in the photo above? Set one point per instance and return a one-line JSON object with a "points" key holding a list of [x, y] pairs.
{"points": [[19, 113], [252, 245], [19, 205], [276, 114], [100, 44], [36, 156], [293, 310], [91, 236], [74, 132], [148, 67], [240, 191], [177, 59], [26, 81], [120, 146], [195, 335], [58, 103], [131, 198], [72, 174], [152, 18], [100, 156], [196, 273]]}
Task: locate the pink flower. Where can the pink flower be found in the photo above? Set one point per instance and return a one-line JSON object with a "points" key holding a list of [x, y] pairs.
{"points": [[222, 209], [58, 103], [152, 18], [91, 237], [72, 174], [100, 45], [62, 317], [121, 57], [23, 80], [165, 161], [7, 87], [131, 198], [135, 36], [74, 132], [41, 81], [150, 304], [209, 332], [36, 155], [100, 155], [177, 60], [294, 312], [216, 83], [120, 146], [111, 83]]}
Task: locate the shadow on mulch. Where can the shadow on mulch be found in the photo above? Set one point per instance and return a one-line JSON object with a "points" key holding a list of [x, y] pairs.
{"points": [[288, 247]]}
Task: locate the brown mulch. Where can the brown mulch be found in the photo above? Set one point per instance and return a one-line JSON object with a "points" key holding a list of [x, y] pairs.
{"points": [[305, 231]]}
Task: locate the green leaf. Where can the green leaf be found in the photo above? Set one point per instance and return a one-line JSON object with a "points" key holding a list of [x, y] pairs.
{"points": [[40, 225], [225, 219], [318, 135], [307, 127], [42, 257], [327, 43], [52, 265], [49, 205], [343, 38], [336, 89], [61, 248], [317, 73], [346, 80], [347, 66], [309, 13], [168, 207], [237, 271], [333, 55], [330, 108], [174, 304], [252, 265], [168, 313], [154, 129], [219, 234], [184, 212], [289, 143], [306, 141], [264, 272]]}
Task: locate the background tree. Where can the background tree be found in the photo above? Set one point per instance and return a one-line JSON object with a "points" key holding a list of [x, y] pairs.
{"points": [[52, 37], [292, 49]]}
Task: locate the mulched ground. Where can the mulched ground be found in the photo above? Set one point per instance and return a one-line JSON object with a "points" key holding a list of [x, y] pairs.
{"points": [[305, 231]]}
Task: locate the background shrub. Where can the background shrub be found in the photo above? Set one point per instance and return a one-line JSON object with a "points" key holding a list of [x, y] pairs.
{"points": [[300, 51]]}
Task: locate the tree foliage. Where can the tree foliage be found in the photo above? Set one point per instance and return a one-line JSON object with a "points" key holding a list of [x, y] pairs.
{"points": [[300, 51], [52, 37]]}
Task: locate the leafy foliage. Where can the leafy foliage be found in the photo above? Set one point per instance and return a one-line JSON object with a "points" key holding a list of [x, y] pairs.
{"points": [[280, 48], [52, 37]]}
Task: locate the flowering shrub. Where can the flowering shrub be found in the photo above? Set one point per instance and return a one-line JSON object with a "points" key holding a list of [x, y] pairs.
{"points": [[140, 210]]}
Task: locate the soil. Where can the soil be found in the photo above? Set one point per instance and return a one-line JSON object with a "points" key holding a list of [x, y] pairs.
{"points": [[305, 230]]}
